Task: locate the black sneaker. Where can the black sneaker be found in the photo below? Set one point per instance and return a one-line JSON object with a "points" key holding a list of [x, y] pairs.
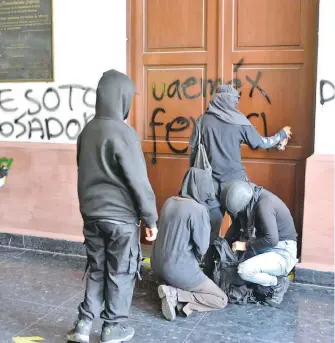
{"points": [[116, 333], [278, 292], [169, 298], [81, 331]]}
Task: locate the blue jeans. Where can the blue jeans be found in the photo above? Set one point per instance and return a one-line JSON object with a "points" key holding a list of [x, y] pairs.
{"points": [[264, 268]]}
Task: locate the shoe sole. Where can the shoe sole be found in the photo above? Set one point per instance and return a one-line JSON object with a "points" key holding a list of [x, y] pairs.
{"points": [[168, 309], [78, 338], [126, 339], [161, 292]]}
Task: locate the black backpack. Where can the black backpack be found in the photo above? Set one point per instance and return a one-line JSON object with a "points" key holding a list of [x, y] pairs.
{"points": [[223, 272]]}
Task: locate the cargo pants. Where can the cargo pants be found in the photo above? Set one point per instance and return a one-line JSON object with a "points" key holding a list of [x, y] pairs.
{"points": [[113, 258]]}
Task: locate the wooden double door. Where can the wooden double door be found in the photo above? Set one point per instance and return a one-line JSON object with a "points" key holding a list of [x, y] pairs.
{"points": [[179, 51]]}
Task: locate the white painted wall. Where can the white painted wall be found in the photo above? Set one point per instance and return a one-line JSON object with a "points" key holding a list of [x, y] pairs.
{"points": [[325, 114], [89, 38]]}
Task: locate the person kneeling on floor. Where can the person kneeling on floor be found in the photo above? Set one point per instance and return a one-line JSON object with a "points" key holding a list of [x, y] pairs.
{"points": [[183, 238], [272, 245]]}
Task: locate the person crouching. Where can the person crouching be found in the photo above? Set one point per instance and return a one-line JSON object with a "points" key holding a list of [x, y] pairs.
{"points": [[183, 238], [271, 248]]}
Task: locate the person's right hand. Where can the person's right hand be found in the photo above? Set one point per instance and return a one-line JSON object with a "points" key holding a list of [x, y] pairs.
{"points": [[151, 234], [288, 131], [239, 246]]}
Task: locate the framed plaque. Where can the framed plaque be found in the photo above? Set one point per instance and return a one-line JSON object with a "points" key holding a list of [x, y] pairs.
{"points": [[26, 48]]}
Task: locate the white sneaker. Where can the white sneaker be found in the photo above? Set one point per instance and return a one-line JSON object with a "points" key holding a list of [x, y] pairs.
{"points": [[169, 298]]}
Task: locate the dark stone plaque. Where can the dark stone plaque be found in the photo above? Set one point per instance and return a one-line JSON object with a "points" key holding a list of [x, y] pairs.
{"points": [[26, 40]]}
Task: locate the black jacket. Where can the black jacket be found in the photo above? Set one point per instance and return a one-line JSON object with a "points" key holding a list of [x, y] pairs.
{"points": [[273, 223], [112, 176], [223, 141], [224, 129]]}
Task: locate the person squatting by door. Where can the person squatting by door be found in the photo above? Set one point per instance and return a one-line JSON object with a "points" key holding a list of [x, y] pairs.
{"points": [[183, 238], [114, 194], [271, 244], [224, 128]]}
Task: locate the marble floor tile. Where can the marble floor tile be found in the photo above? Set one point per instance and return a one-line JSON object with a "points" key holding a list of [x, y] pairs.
{"points": [[40, 293]]}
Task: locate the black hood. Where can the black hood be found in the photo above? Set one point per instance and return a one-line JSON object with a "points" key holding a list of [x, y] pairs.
{"points": [[114, 95], [247, 217], [223, 106], [197, 185], [251, 207]]}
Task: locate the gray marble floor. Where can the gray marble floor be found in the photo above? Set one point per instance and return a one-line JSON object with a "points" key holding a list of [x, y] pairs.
{"points": [[39, 294]]}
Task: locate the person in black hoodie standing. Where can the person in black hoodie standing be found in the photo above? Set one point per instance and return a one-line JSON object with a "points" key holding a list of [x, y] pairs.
{"points": [[224, 129], [114, 195]]}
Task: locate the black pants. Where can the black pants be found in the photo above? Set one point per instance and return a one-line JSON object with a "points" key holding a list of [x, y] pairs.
{"points": [[216, 215], [113, 256], [216, 212]]}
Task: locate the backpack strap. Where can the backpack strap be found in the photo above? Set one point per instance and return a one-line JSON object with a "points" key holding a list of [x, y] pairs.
{"points": [[199, 124]]}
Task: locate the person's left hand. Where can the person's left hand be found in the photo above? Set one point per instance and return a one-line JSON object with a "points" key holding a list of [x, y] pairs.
{"points": [[239, 246], [151, 234]]}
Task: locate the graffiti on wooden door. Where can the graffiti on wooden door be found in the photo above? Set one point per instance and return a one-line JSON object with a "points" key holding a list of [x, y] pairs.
{"points": [[179, 89]]}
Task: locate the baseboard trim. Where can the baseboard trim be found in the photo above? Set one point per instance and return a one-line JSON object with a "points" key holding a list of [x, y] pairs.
{"points": [[314, 277], [42, 244]]}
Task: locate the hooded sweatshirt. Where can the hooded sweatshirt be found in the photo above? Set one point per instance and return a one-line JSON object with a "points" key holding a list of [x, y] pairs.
{"points": [[223, 130], [112, 176], [183, 234]]}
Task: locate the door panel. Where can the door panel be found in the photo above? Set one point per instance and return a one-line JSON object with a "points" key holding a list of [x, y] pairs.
{"points": [[275, 108], [264, 23], [187, 16], [179, 54]]}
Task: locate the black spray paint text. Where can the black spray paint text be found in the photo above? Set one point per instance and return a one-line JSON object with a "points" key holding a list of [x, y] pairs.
{"points": [[188, 90], [25, 120], [180, 124]]}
